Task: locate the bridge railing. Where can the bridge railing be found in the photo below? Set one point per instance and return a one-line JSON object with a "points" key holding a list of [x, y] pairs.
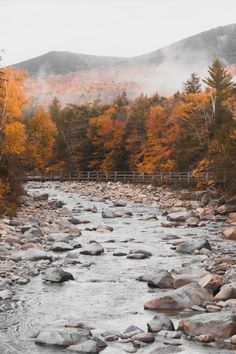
{"points": [[172, 177]]}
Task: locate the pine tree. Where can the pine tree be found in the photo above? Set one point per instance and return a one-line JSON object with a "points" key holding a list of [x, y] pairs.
{"points": [[220, 80], [193, 84]]}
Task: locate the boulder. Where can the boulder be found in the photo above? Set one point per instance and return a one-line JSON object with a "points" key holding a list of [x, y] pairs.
{"points": [[62, 337], [231, 218], [191, 246], [137, 256], [93, 249], [57, 275], [227, 291], [179, 216], [108, 214], [229, 233], [160, 322], [119, 203], [219, 324], [163, 280], [61, 247], [145, 252], [88, 347], [35, 254], [211, 282], [104, 228], [181, 298], [143, 337]]}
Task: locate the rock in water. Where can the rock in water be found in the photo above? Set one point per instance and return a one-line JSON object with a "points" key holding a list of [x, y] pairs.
{"points": [[57, 275], [179, 216], [108, 214], [218, 324], [90, 346], [164, 280], [62, 337], [160, 322], [61, 247], [93, 249], [230, 233], [35, 254], [181, 298], [191, 246]]}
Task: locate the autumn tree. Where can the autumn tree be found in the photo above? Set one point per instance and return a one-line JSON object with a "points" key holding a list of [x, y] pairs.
{"points": [[41, 139], [12, 136]]}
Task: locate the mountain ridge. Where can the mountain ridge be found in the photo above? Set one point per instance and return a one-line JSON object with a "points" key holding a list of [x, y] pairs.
{"points": [[75, 77]]}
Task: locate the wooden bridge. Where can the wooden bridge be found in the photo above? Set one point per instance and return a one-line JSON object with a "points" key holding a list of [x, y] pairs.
{"points": [[129, 177]]}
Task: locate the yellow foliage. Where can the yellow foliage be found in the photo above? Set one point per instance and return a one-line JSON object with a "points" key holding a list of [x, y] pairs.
{"points": [[14, 138]]}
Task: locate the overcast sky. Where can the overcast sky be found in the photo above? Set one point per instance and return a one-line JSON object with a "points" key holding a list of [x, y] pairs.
{"points": [[29, 28]]}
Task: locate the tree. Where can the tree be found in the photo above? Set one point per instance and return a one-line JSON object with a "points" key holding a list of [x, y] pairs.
{"points": [[41, 139], [193, 84], [222, 85]]}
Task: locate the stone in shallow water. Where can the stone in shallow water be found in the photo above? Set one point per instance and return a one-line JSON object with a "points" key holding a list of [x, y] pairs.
{"points": [[93, 249], [35, 254], [219, 324], [61, 246], [145, 252], [108, 214], [191, 246], [87, 347], [62, 337], [181, 298], [137, 256], [143, 337], [57, 275], [5, 294], [160, 322]]}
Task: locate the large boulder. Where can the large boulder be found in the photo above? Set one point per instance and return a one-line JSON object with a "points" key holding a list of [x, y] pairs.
{"points": [[185, 297], [227, 291], [57, 275], [93, 249], [219, 324], [229, 233], [62, 337], [160, 322], [191, 246]]}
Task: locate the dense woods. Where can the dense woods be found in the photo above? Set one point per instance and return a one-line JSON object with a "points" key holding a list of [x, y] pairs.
{"points": [[193, 130]]}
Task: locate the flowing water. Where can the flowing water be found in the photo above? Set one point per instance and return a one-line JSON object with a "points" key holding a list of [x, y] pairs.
{"points": [[106, 294]]}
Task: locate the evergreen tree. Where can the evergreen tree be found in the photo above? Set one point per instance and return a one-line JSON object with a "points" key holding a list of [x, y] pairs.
{"points": [[193, 84], [220, 80]]}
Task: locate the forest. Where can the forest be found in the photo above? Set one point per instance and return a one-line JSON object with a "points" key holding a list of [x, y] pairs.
{"points": [[193, 130]]}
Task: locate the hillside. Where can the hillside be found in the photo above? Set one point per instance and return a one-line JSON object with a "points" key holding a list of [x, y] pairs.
{"points": [[76, 77]]}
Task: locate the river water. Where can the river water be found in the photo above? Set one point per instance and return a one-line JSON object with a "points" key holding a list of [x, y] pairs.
{"points": [[106, 294]]}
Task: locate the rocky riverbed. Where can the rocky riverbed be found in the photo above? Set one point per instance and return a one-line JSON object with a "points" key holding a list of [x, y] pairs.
{"points": [[115, 268]]}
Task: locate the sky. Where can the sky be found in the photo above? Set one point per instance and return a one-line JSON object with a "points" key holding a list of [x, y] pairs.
{"points": [[29, 28]]}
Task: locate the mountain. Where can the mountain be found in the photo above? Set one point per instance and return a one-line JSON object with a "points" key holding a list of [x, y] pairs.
{"points": [[60, 63], [76, 77]]}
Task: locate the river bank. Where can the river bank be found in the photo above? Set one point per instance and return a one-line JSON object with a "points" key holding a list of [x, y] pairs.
{"points": [[153, 247]]}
